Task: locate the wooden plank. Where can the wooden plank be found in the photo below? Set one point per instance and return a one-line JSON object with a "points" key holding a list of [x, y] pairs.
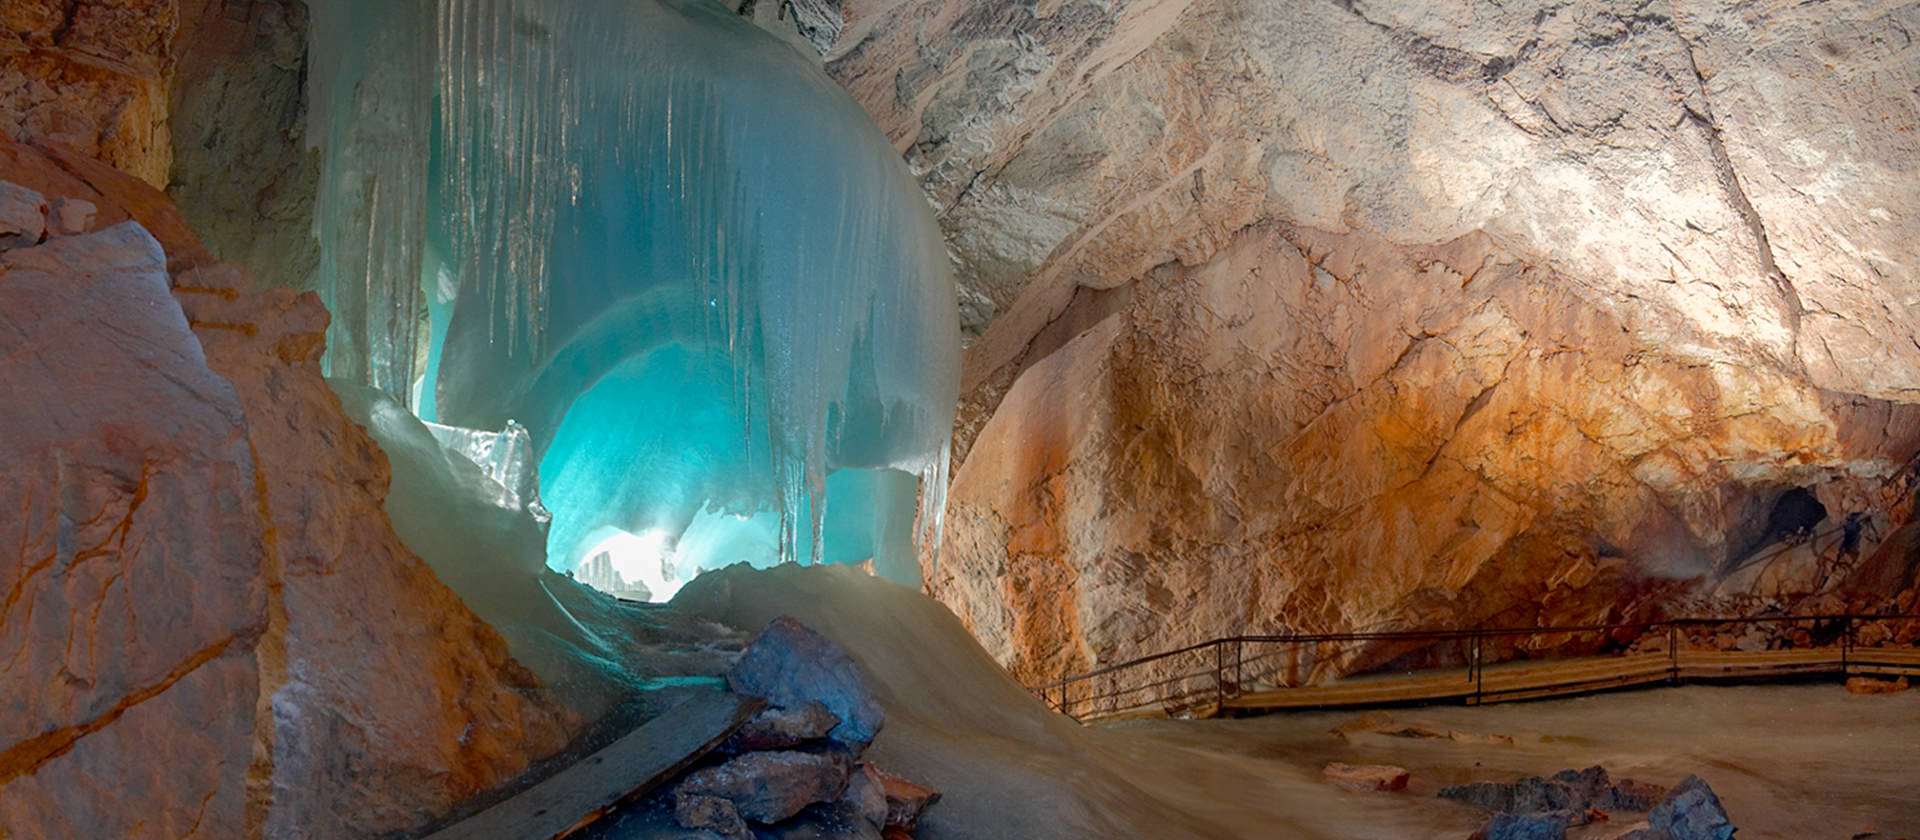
{"points": [[636, 763]]}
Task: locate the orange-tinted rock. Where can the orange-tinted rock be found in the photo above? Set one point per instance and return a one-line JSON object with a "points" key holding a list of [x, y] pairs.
{"points": [[213, 630], [1572, 299], [133, 594], [91, 75], [1320, 432], [376, 671], [1366, 777], [58, 172], [906, 800], [1869, 685]]}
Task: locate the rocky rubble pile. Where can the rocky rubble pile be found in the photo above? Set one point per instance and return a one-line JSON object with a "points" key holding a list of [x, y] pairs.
{"points": [[1536, 808], [795, 770]]}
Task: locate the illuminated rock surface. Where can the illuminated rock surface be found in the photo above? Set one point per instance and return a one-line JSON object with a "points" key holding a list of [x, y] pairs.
{"points": [[91, 75], [1327, 316], [215, 632]]}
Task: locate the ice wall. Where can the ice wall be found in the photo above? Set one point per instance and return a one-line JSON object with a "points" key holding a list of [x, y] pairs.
{"points": [[663, 241]]}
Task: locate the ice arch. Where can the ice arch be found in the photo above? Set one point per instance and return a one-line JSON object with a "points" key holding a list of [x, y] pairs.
{"points": [[663, 241]]}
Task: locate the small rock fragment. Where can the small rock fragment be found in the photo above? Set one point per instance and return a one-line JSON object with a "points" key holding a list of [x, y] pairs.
{"points": [[711, 813], [1366, 777], [906, 801], [23, 216], [1479, 738], [790, 665], [1869, 685], [1369, 722], [70, 216]]}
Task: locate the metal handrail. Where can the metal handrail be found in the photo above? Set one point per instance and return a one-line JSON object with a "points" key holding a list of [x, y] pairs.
{"points": [[1476, 665]]}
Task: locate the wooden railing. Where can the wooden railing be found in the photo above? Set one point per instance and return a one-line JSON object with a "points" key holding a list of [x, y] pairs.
{"points": [[1483, 665]]}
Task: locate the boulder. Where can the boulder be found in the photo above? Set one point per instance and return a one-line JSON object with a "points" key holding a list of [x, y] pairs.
{"points": [[1366, 777], [1574, 792], [131, 551], [767, 787], [1691, 811], [23, 216], [792, 666], [781, 728], [208, 579]]}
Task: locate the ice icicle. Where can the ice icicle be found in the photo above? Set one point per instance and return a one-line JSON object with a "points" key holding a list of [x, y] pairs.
{"points": [[369, 76]]}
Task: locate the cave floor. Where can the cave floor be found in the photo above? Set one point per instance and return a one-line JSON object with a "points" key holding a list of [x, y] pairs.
{"points": [[1788, 761]]}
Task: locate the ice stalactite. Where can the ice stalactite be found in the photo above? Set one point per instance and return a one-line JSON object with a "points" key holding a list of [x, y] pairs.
{"points": [[367, 112], [666, 243]]}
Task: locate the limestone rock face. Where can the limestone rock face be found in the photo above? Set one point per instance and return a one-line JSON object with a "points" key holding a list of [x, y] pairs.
{"points": [[382, 681], [134, 598], [1323, 316], [213, 630], [92, 75], [242, 174]]}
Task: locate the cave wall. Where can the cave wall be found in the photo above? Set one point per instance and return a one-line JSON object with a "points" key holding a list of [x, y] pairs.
{"points": [[1330, 315], [1308, 315], [211, 628]]}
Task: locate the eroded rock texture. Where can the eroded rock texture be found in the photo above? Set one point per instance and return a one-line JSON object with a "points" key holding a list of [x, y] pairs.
{"points": [[91, 74], [1327, 315], [203, 98], [210, 627]]}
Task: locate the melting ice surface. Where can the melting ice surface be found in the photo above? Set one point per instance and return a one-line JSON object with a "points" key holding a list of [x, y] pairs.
{"points": [[668, 245]]}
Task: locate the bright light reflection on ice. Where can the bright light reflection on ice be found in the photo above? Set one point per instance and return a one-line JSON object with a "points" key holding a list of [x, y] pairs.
{"points": [[640, 566]]}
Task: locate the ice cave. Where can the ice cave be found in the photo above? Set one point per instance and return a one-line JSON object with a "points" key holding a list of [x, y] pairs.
{"points": [[959, 419], [665, 243]]}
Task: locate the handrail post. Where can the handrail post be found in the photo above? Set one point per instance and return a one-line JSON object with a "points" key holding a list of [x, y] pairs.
{"points": [[1846, 645], [1219, 675], [1478, 665], [1673, 653], [1239, 661]]}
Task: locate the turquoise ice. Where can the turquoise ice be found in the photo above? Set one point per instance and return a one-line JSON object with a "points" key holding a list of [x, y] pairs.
{"points": [[666, 243]]}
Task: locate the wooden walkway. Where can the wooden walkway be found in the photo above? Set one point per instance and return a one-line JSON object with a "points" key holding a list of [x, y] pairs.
{"points": [[1214, 677], [1556, 678]]}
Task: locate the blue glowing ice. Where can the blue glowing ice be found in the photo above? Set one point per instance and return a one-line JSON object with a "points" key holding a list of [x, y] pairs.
{"points": [[668, 245]]}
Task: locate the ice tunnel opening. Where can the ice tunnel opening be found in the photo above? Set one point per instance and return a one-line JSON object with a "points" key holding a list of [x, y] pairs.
{"points": [[657, 473], [669, 246]]}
